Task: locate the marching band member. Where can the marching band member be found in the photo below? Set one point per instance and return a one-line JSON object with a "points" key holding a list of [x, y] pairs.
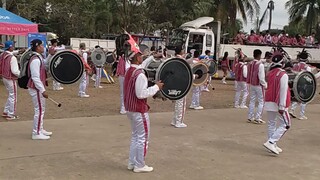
{"points": [[241, 72], [123, 66], [301, 66], [136, 92], [267, 61], [196, 93], [256, 80], [36, 87], [180, 105], [52, 50], [205, 87], [85, 77], [277, 103], [98, 73], [10, 73]]}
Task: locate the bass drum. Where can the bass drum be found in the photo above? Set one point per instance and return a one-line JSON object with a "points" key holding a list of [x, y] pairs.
{"points": [[176, 75], [212, 66], [303, 86], [201, 70], [110, 58], [66, 67]]}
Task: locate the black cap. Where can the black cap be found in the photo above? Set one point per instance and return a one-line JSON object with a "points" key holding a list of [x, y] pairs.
{"points": [[35, 43], [178, 49]]}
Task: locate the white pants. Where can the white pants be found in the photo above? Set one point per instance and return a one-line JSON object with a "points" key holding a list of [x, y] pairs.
{"points": [[275, 133], [84, 82], [179, 111], [121, 82], [39, 103], [11, 104], [241, 88], [140, 133], [256, 92], [56, 85], [302, 108], [98, 77], [196, 92], [206, 85]]}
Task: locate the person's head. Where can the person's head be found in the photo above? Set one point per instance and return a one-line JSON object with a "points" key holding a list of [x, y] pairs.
{"points": [[82, 46], [179, 50], [313, 34], [257, 54], [196, 54], [136, 58], [54, 42], [268, 56], [97, 46], [37, 46], [153, 48], [226, 54], [277, 60], [252, 32], [267, 32], [207, 52], [9, 46]]}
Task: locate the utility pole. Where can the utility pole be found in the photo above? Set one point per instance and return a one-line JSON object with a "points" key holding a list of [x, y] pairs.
{"points": [[4, 4], [271, 8]]}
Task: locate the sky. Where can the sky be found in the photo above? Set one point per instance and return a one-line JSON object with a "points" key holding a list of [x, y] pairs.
{"points": [[280, 15]]}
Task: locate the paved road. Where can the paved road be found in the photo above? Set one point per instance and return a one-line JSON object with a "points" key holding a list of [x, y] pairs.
{"points": [[212, 147]]}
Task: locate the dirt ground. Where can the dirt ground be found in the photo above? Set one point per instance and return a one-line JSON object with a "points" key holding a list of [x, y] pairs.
{"points": [[106, 101]]}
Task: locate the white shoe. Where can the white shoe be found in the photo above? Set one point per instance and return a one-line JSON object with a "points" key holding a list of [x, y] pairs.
{"points": [[259, 121], [84, 95], [40, 137], [250, 120], [303, 118], [271, 147], [143, 169], [244, 107], [180, 125], [237, 106], [192, 107], [130, 167], [123, 112], [46, 133], [278, 149], [206, 90], [199, 108], [224, 82], [173, 123], [292, 114]]}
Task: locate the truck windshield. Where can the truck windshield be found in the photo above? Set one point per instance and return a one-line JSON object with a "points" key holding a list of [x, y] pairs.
{"points": [[178, 37]]}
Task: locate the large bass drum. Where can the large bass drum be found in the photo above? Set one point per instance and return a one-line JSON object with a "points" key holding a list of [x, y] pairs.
{"points": [[212, 66], [303, 86], [66, 67], [176, 75]]}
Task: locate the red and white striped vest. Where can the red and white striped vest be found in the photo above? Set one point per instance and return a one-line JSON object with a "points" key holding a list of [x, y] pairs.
{"points": [[131, 101], [5, 59], [273, 91], [121, 67], [253, 73], [300, 67], [43, 73], [239, 72]]}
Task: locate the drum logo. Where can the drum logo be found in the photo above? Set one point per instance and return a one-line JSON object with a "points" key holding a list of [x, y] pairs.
{"points": [[174, 92], [308, 79], [58, 62]]}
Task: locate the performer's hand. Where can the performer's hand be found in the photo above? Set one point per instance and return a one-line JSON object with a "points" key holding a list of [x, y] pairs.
{"points": [[281, 112], [160, 84], [45, 95]]}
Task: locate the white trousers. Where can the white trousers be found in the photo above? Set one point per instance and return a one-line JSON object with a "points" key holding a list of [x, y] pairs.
{"points": [[207, 84], [140, 133], [241, 88], [84, 82], [56, 85], [302, 108], [39, 103], [179, 111], [98, 77], [121, 83], [11, 104], [196, 92], [256, 93], [275, 133]]}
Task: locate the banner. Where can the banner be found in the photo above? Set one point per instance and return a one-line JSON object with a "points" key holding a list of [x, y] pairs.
{"points": [[42, 37]]}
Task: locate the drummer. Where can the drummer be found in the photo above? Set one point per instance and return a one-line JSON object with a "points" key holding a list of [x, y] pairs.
{"points": [[196, 93], [98, 72], [205, 87]]}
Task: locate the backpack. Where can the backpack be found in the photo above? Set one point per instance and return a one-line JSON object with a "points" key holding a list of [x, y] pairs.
{"points": [[24, 76]]}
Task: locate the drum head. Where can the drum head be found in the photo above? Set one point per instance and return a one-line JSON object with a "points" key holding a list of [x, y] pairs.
{"points": [[177, 76], [304, 87], [66, 67], [213, 67], [201, 70], [98, 57], [109, 58]]}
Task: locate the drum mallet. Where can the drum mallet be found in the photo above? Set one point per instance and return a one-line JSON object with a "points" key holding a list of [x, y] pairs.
{"points": [[58, 104]]}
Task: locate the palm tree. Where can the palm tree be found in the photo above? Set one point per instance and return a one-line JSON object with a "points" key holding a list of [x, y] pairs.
{"points": [[269, 8], [299, 8]]}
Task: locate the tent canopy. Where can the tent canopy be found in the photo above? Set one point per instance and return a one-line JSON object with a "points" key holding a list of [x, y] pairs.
{"points": [[12, 24]]}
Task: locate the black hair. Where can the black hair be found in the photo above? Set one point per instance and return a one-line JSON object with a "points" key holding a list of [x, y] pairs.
{"points": [[257, 53], [225, 56], [207, 52], [196, 54]]}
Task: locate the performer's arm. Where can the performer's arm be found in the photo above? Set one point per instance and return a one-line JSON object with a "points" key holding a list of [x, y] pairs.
{"points": [[262, 76], [14, 66], [245, 71], [283, 92], [85, 57], [142, 90], [35, 75], [147, 61]]}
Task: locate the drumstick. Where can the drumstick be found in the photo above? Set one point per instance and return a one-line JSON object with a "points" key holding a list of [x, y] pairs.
{"points": [[58, 104]]}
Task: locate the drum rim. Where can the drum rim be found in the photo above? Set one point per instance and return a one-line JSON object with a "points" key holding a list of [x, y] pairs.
{"points": [[157, 78], [51, 69], [104, 58], [207, 75], [107, 55], [295, 85], [211, 61]]}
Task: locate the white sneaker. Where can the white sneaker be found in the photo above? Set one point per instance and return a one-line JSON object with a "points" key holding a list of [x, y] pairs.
{"points": [[292, 114], [40, 137], [259, 121], [143, 169], [130, 167], [224, 82], [250, 120], [271, 147], [237, 106], [173, 123], [278, 149], [244, 107], [46, 133], [302, 118], [206, 90], [123, 112], [192, 107], [199, 108], [84, 95], [180, 125]]}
